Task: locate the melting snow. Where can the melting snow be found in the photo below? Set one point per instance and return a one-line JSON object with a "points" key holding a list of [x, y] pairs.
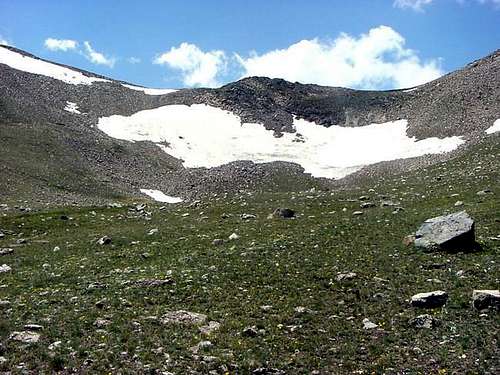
{"points": [[494, 128], [72, 107], [205, 136], [159, 196], [28, 64], [148, 90]]}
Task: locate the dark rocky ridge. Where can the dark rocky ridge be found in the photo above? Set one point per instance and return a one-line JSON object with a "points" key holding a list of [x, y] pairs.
{"points": [[47, 148]]}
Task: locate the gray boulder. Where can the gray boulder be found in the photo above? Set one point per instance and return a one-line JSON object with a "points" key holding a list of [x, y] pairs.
{"points": [[452, 232], [429, 300], [482, 299]]}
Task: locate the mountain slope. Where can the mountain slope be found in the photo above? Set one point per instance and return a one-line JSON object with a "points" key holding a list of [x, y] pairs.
{"points": [[50, 136]]}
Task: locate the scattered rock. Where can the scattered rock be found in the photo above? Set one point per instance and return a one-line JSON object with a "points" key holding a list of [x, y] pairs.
{"points": [[357, 213], [217, 242], [458, 203], [364, 198], [25, 337], [429, 299], [5, 268], [152, 283], [55, 345], [285, 213], [424, 321], [367, 205], [33, 327], [153, 231], [368, 325], [450, 232], [247, 216], [202, 345], [233, 237], [267, 371], [388, 204], [101, 323], [4, 304], [250, 331], [104, 240], [6, 251], [210, 328], [482, 299], [484, 192], [346, 276], [183, 317]]}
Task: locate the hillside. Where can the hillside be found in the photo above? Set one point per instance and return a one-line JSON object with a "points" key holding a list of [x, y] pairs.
{"points": [[54, 148]]}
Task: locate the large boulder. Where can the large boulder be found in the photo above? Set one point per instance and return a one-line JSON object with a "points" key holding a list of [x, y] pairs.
{"points": [[430, 300], [452, 232]]}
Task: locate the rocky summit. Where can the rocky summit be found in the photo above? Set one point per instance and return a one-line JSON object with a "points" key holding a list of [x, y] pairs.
{"points": [[262, 227]]}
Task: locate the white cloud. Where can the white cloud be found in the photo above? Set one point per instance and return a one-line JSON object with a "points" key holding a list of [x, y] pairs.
{"points": [[97, 57], [198, 68], [133, 60], [416, 5], [60, 44], [375, 60]]}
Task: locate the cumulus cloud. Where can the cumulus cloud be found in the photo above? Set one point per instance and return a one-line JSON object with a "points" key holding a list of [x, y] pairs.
{"points": [[97, 57], [198, 68], [60, 44], [376, 60]]}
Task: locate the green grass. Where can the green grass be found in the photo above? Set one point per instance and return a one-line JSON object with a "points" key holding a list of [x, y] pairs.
{"points": [[282, 263]]}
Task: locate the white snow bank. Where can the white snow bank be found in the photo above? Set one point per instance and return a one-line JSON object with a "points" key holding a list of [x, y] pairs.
{"points": [[72, 107], [157, 195], [494, 128], [149, 91], [204, 136], [28, 64]]}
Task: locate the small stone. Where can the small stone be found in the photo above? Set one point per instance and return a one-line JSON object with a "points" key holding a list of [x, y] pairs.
{"points": [[101, 323], [484, 192], [424, 321], [4, 304], [250, 331], [266, 308], [6, 251], [183, 317], [458, 203], [104, 240], [367, 205], [2, 360], [368, 325], [25, 337], [433, 299], [285, 213], [482, 299], [233, 237], [210, 328], [247, 216], [5, 268], [346, 276], [56, 249], [217, 242], [33, 327], [357, 213], [153, 231], [55, 345]]}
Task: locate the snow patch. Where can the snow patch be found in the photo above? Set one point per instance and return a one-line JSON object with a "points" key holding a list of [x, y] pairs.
{"points": [[28, 64], [494, 128], [148, 90], [159, 196], [205, 136], [72, 107]]}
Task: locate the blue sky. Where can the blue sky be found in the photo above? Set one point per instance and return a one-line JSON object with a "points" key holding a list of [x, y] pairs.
{"points": [[370, 44]]}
